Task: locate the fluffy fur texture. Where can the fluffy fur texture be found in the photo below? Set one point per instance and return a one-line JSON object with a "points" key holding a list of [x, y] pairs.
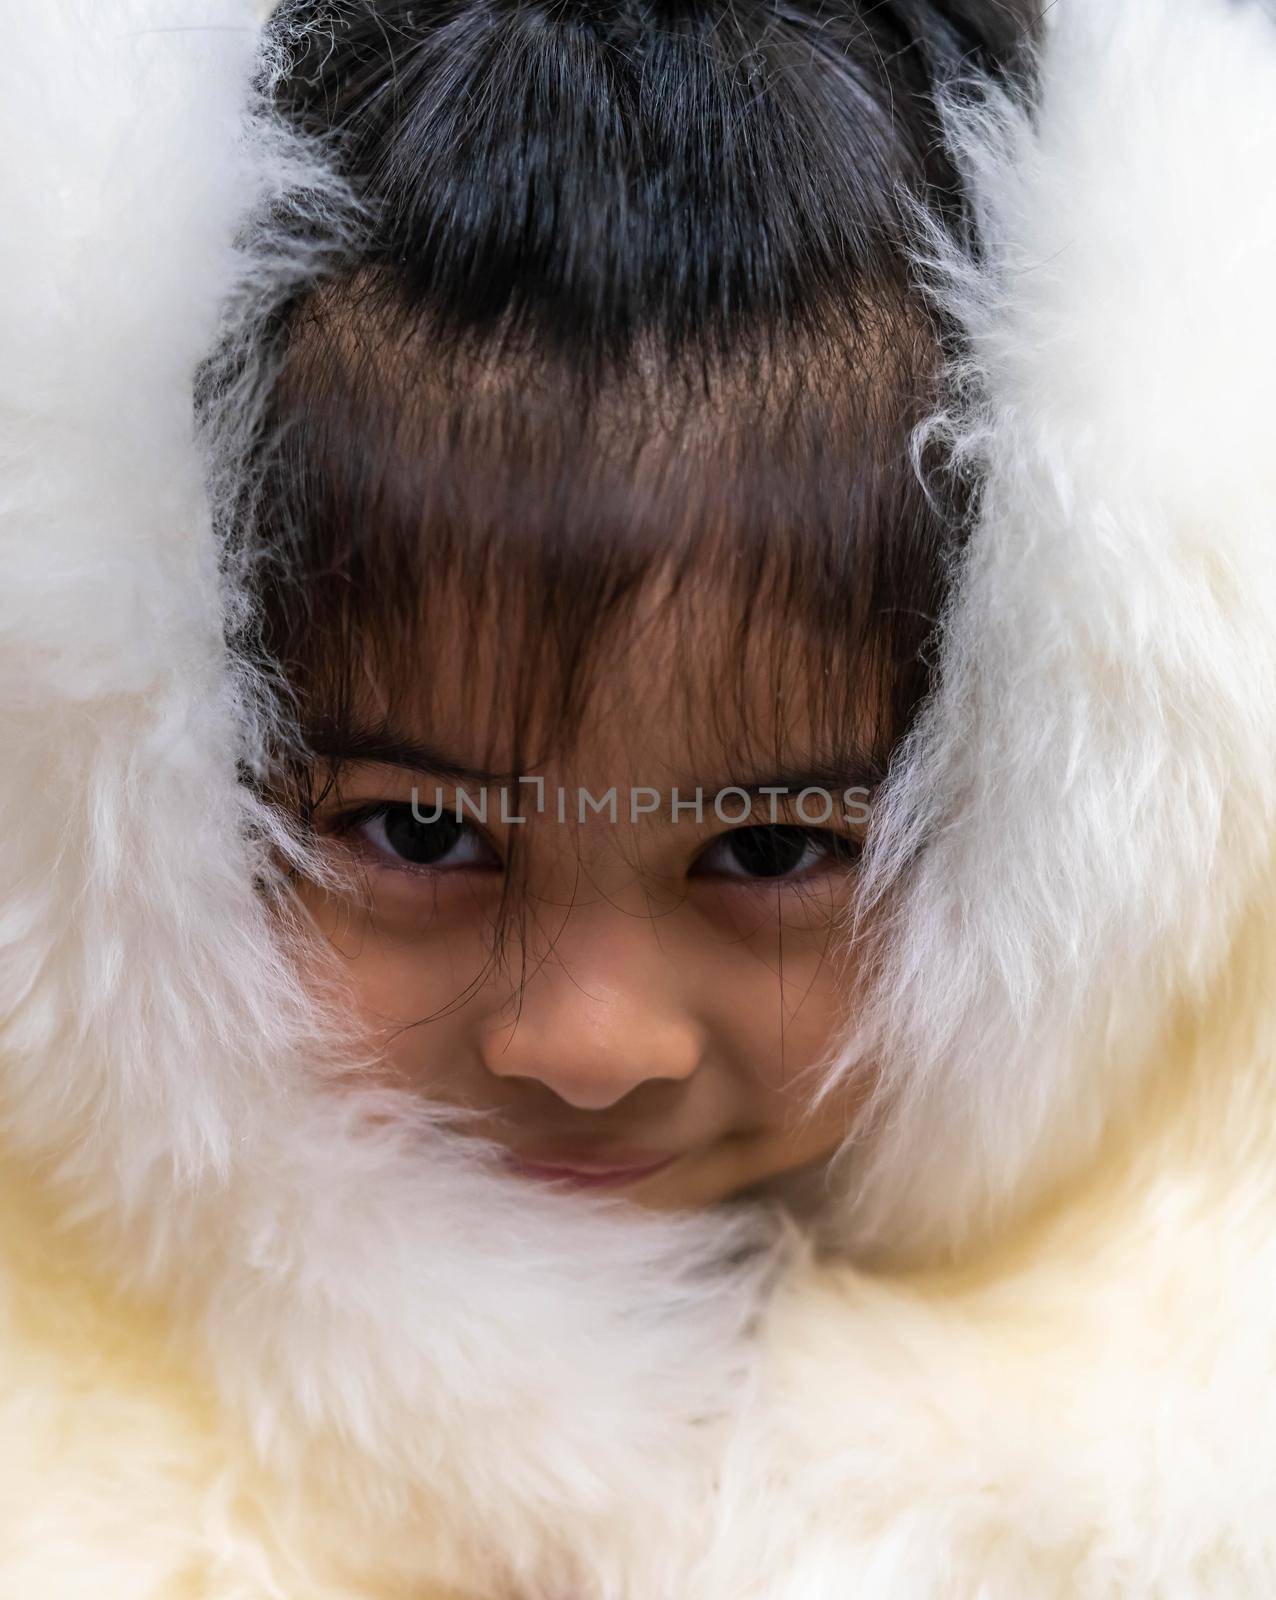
{"points": [[1093, 783], [257, 1339], [427, 1358]]}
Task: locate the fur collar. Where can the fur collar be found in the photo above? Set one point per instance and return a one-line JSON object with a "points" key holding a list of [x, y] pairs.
{"points": [[380, 1368]]}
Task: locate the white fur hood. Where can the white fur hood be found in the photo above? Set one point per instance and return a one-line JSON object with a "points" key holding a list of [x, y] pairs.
{"points": [[261, 1341]]}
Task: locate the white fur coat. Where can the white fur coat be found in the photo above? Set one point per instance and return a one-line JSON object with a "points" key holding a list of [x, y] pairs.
{"points": [[261, 1342]]}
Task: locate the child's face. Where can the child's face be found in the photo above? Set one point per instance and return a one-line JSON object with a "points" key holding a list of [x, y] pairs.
{"points": [[666, 984]]}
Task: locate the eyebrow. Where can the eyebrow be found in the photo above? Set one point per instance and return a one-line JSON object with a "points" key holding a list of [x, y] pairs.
{"points": [[380, 744], [852, 769]]}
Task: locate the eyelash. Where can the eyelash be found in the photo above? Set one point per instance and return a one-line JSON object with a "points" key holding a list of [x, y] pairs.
{"points": [[351, 822], [837, 850]]}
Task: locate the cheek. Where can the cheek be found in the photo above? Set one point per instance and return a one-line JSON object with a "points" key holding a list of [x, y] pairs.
{"points": [[782, 1050], [414, 991], [780, 1002], [779, 1013]]}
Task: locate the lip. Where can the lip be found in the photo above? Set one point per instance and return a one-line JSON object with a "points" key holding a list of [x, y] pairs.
{"points": [[582, 1174]]}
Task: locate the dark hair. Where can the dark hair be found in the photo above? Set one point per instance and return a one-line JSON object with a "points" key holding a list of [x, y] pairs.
{"points": [[633, 294]]}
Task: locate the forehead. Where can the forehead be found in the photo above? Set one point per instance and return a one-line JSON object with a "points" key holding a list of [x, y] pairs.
{"points": [[674, 688]]}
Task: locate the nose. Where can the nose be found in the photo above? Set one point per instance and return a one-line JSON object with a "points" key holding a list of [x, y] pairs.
{"points": [[602, 1015]]}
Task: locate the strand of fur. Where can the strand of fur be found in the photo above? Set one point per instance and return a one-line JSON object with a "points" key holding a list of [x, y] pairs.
{"points": [[1075, 830]]}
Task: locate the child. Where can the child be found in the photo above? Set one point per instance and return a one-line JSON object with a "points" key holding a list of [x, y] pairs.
{"points": [[639, 706], [594, 477]]}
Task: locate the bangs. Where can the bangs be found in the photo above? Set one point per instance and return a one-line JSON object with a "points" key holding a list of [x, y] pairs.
{"points": [[436, 493]]}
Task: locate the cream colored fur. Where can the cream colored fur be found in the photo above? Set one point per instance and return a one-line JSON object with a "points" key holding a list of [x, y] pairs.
{"points": [[258, 1339], [1093, 782]]}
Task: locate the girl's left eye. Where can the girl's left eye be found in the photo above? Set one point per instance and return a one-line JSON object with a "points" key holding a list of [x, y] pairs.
{"points": [[775, 853], [402, 839]]}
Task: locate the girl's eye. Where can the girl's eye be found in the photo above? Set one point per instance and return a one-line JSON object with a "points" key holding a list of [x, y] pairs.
{"points": [[776, 852], [401, 839]]}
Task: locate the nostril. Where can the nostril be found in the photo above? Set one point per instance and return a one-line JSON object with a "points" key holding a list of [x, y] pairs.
{"points": [[594, 1088], [588, 1078]]}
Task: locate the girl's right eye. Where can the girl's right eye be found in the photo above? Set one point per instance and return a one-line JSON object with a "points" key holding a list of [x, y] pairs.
{"points": [[401, 839]]}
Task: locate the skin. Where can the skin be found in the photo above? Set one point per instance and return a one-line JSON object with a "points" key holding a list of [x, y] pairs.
{"points": [[652, 1001]]}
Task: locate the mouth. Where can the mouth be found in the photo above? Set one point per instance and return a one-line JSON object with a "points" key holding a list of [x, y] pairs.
{"points": [[588, 1174]]}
